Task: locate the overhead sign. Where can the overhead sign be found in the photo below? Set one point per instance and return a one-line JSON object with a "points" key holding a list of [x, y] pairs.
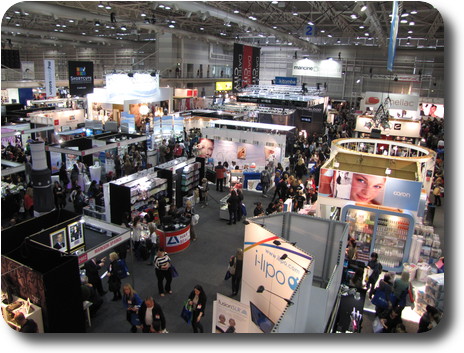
{"points": [[289, 81], [246, 63], [50, 82], [309, 31], [224, 86], [397, 101], [318, 68], [80, 77]]}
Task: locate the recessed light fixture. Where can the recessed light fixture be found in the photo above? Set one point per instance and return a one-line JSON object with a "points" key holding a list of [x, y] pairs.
{"points": [[363, 8], [412, 23]]}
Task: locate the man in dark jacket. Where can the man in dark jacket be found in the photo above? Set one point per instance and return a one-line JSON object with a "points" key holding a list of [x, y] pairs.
{"points": [[91, 271], [265, 180], [220, 176], [151, 316]]}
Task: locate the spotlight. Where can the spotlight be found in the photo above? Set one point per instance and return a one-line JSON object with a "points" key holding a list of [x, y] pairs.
{"points": [[261, 289], [285, 256], [130, 74]]}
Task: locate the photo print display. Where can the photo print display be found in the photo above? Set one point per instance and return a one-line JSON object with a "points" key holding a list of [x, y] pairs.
{"points": [[76, 235], [58, 240]]}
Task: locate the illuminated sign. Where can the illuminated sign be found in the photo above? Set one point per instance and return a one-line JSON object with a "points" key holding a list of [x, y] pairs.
{"points": [[224, 86]]}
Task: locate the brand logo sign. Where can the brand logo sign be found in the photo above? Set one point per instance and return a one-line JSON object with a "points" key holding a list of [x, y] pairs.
{"points": [[80, 77], [402, 194], [397, 101], [50, 84], [320, 68], [290, 81]]}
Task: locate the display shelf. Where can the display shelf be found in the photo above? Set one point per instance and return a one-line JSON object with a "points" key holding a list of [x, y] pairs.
{"points": [[389, 234]]}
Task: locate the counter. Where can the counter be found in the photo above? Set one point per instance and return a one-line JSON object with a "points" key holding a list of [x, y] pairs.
{"points": [[174, 241]]}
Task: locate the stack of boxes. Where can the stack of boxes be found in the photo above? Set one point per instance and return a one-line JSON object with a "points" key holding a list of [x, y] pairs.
{"points": [[433, 294]]}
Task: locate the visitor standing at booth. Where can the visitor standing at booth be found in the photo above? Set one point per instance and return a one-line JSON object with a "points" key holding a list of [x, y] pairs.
{"points": [[220, 176], [265, 180], [233, 203]]}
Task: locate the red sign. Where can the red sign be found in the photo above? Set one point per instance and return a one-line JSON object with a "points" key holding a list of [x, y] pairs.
{"points": [[56, 122]]}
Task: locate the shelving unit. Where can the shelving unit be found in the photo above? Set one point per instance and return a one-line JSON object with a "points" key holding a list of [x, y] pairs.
{"points": [[190, 177], [389, 234]]}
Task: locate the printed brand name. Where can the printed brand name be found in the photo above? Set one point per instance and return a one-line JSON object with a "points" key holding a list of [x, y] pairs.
{"points": [[402, 194], [270, 271]]}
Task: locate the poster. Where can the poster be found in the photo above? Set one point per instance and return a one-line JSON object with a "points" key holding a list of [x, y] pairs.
{"points": [[80, 77], [58, 240], [230, 316], [370, 189], [76, 235]]}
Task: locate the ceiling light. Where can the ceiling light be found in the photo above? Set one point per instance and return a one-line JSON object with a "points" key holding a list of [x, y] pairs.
{"points": [[101, 5], [361, 27], [295, 14], [353, 16], [202, 29], [97, 23], [338, 41], [108, 6], [363, 8], [275, 2], [275, 27], [143, 14], [329, 35], [410, 32], [366, 34], [161, 6], [167, 8], [322, 30], [413, 12], [123, 28], [171, 26], [310, 23], [404, 21], [412, 23], [388, 171], [405, 14], [236, 11], [358, 80]]}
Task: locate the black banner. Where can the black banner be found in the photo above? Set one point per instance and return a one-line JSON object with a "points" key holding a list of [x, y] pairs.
{"points": [[80, 77], [245, 66]]}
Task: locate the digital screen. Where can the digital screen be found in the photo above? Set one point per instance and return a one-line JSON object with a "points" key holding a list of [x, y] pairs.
{"points": [[260, 319], [224, 86]]}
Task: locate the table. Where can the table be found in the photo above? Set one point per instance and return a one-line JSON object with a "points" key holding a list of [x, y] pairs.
{"points": [[342, 322], [174, 241]]}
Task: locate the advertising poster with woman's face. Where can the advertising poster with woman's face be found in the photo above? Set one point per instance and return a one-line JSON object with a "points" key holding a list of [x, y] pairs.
{"points": [[370, 189], [205, 148], [432, 110]]}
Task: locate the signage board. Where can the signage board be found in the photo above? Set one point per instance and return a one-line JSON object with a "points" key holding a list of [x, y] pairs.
{"points": [[317, 68]]}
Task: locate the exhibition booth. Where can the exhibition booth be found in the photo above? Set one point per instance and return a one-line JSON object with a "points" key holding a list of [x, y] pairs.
{"points": [[380, 196], [284, 288], [44, 253]]}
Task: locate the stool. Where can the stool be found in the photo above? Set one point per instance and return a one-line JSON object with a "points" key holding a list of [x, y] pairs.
{"points": [[86, 305]]}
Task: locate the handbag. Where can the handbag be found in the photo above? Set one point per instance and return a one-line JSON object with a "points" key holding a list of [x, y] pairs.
{"points": [[187, 313], [195, 219], [377, 326], [380, 299], [135, 320], [228, 275], [174, 272]]}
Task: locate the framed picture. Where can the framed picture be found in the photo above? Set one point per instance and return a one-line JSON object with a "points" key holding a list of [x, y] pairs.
{"points": [[76, 235], [58, 240]]}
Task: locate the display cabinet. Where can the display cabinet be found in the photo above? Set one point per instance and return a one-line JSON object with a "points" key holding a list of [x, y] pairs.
{"points": [[387, 233]]}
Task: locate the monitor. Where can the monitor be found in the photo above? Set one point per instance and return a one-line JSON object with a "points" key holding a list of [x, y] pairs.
{"points": [[260, 319]]}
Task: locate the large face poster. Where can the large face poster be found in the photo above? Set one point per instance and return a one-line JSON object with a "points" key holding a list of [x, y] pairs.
{"points": [[370, 189], [244, 153]]}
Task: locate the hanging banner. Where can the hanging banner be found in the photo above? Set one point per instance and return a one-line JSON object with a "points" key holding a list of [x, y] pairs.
{"points": [[80, 77], [393, 36], [27, 69], [318, 68], [245, 66], [49, 73]]}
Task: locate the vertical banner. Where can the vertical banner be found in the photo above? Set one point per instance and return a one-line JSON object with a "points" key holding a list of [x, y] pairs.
{"points": [[255, 69], [393, 35], [237, 67], [80, 77], [245, 66], [49, 73]]}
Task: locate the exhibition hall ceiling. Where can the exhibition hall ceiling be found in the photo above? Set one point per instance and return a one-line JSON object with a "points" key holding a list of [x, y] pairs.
{"points": [[307, 25]]}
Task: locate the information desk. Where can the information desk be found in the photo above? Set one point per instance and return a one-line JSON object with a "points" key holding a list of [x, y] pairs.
{"points": [[176, 240]]}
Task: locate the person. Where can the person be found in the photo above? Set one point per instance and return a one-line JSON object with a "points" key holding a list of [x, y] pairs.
{"points": [[233, 203], [300, 168], [386, 287], [132, 303], [390, 319], [90, 294], [241, 206], [203, 189], [357, 280], [74, 175], [161, 206], [265, 180], [151, 316], [92, 267], [367, 188], [173, 211], [259, 210], [114, 282], [63, 176], [231, 328], [437, 195], [59, 242], [220, 176], [117, 166], [79, 201], [352, 249], [400, 290], [154, 242], [429, 320], [162, 263], [163, 151], [205, 148], [236, 268], [188, 214], [276, 183], [25, 325], [136, 236], [29, 202], [375, 266], [60, 196], [197, 300]]}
